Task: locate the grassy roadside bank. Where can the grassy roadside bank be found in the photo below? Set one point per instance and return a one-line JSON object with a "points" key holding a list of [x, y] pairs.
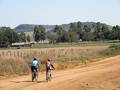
{"points": [[17, 62]]}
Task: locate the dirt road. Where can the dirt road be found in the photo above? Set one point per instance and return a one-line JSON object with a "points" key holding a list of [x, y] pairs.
{"points": [[101, 75]]}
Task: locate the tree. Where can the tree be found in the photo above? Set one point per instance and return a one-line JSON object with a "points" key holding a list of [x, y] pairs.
{"points": [[118, 30], [65, 37], [79, 29], [4, 41], [22, 37], [52, 37], [72, 36], [115, 33], [60, 33], [105, 32], [28, 38], [73, 27], [98, 31], [86, 28], [88, 36], [8, 36], [39, 33]]}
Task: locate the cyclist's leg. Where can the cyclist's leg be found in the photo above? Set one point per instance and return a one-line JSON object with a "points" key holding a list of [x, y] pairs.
{"points": [[36, 74], [32, 71], [50, 75], [47, 72]]}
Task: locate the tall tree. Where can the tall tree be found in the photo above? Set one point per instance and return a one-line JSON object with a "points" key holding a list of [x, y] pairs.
{"points": [[105, 32], [60, 33], [115, 33], [28, 38], [88, 36], [22, 37], [98, 31], [52, 37], [79, 29], [86, 28], [73, 27], [73, 37], [10, 35], [39, 33]]}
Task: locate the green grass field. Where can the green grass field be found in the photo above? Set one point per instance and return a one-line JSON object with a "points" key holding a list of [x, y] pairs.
{"points": [[80, 44]]}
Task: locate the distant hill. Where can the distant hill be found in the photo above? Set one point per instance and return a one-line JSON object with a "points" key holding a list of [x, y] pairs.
{"points": [[30, 27]]}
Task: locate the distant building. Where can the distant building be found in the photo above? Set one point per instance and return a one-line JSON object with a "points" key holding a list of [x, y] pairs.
{"points": [[44, 42], [21, 44]]}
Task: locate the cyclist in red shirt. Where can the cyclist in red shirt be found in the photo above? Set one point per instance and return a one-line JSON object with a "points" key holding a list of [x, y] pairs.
{"points": [[49, 67]]}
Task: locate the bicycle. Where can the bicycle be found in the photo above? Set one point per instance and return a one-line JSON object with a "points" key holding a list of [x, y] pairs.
{"points": [[34, 76]]}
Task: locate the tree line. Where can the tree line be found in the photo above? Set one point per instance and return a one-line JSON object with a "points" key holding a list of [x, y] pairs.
{"points": [[9, 36], [77, 32]]}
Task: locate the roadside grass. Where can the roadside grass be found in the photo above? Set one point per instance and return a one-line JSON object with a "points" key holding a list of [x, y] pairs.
{"points": [[111, 51], [18, 61], [13, 66]]}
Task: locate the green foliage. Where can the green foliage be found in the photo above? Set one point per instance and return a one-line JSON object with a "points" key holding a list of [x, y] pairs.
{"points": [[73, 36], [115, 33], [112, 50], [88, 36], [52, 38], [7, 36], [72, 33], [86, 28], [22, 37], [98, 31], [73, 27], [28, 38], [60, 34], [39, 33], [79, 29]]}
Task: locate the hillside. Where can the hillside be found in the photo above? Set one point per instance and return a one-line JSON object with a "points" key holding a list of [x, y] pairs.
{"points": [[30, 27]]}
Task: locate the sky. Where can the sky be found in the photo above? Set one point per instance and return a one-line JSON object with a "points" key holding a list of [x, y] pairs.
{"points": [[52, 12]]}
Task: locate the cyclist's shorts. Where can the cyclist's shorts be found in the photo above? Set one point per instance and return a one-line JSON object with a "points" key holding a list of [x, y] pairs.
{"points": [[47, 69], [33, 68]]}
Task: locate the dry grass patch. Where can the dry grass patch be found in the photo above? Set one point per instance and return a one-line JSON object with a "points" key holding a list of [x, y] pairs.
{"points": [[18, 61]]}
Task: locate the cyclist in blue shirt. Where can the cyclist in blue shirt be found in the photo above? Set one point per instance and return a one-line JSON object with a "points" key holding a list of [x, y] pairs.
{"points": [[35, 65]]}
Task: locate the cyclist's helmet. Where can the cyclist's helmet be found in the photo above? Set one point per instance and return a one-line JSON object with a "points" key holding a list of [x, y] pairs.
{"points": [[49, 59], [35, 58]]}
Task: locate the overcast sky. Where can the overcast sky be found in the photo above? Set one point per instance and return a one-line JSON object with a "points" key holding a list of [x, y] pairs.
{"points": [[15, 12]]}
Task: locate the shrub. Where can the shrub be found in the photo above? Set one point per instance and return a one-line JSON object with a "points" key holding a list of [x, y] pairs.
{"points": [[111, 51]]}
